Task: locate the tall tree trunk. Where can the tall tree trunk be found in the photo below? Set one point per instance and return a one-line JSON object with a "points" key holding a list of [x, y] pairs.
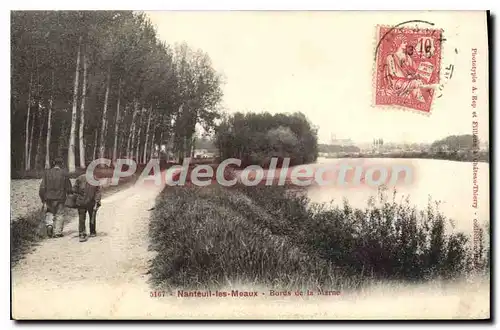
{"points": [[107, 152], [131, 137], [40, 122], [188, 146], [36, 115], [82, 115], [27, 165], [122, 139], [191, 144], [104, 114], [62, 139], [168, 143], [189, 149], [49, 125], [94, 153], [30, 148], [123, 142], [72, 132], [182, 151], [130, 142], [40, 140], [117, 121], [180, 134], [144, 157], [160, 139], [138, 144], [152, 150]]}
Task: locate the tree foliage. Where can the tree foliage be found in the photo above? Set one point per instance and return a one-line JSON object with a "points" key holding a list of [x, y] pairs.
{"points": [[456, 142], [257, 137], [173, 87]]}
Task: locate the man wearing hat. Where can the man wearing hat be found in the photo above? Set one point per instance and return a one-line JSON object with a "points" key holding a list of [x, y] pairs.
{"points": [[54, 188]]}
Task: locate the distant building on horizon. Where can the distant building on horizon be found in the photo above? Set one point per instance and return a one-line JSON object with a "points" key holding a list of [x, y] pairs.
{"points": [[340, 142]]}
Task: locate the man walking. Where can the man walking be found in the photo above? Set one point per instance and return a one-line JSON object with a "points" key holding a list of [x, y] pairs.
{"points": [[88, 200], [54, 188]]}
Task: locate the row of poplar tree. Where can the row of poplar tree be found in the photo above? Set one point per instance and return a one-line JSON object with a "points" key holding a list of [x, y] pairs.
{"points": [[100, 84]]}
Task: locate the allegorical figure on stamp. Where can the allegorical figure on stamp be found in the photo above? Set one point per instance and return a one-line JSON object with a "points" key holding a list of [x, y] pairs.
{"points": [[403, 77]]}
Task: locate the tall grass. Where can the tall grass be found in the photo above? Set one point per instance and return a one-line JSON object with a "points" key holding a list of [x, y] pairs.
{"points": [[27, 231], [273, 236], [389, 239], [201, 242]]}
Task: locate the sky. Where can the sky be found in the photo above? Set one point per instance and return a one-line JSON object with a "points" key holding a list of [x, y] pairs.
{"points": [[322, 64]]}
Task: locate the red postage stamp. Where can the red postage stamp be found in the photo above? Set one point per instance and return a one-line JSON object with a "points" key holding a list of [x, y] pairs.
{"points": [[408, 62]]}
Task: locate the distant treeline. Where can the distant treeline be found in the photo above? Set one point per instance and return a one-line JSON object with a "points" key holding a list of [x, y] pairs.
{"points": [[463, 148], [456, 142], [257, 137], [480, 156], [336, 148]]}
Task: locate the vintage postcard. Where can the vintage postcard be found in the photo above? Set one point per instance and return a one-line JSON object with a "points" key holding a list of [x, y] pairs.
{"points": [[320, 165]]}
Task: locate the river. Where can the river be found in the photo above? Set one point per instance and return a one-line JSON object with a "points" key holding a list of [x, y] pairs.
{"points": [[449, 182]]}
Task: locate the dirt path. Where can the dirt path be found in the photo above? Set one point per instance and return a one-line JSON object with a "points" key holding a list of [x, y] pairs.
{"points": [[64, 277]]}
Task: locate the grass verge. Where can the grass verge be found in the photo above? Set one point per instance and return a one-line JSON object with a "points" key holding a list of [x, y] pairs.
{"points": [[272, 236]]}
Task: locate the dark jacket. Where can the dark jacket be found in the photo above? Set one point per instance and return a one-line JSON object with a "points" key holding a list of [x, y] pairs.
{"points": [[86, 194], [55, 185]]}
